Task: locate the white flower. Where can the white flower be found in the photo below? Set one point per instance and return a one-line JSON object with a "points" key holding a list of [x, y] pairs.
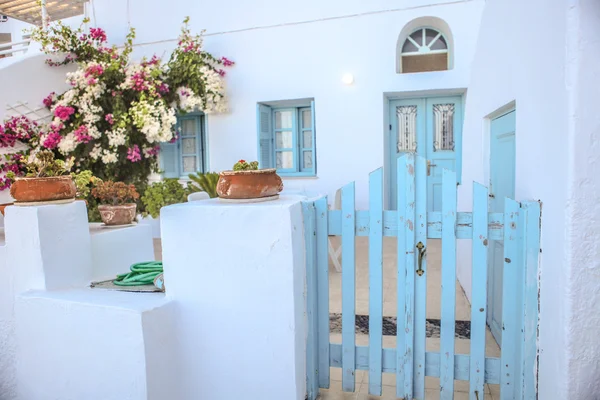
{"points": [[109, 157], [117, 137], [96, 152], [67, 144]]}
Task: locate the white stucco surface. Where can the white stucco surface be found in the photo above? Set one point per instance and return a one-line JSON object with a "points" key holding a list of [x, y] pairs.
{"points": [[557, 159], [114, 250], [88, 344], [237, 275], [286, 51]]}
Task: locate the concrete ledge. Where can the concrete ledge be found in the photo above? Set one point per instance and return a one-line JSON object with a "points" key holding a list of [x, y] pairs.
{"points": [[115, 249], [119, 339]]}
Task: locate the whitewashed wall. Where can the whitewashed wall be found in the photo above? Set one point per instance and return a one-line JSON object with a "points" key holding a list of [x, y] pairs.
{"points": [[557, 136], [305, 59], [15, 28]]}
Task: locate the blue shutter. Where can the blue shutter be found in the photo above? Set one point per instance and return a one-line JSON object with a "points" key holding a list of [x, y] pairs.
{"points": [[265, 137], [314, 138], [169, 160]]}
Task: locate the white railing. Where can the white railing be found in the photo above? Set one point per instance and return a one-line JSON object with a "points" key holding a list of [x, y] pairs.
{"points": [[12, 48]]}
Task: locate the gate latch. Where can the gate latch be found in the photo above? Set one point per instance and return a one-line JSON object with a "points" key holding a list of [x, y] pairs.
{"points": [[422, 250]]}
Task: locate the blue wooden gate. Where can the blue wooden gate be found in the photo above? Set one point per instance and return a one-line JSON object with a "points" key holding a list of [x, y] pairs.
{"points": [[518, 227]]}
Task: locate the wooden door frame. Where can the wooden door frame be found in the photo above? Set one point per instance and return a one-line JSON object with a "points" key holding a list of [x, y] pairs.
{"points": [[392, 96]]}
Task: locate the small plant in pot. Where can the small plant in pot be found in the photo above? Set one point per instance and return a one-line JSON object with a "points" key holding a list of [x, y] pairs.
{"points": [[84, 181], [246, 182], [117, 202], [46, 181]]}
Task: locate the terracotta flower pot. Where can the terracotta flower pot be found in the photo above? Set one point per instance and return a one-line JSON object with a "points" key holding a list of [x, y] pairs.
{"points": [[253, 184], [3, 206], [123, 214], [26, 190]]}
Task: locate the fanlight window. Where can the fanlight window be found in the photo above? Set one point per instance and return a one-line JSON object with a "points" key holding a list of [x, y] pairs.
{"points": [[424, 50]]}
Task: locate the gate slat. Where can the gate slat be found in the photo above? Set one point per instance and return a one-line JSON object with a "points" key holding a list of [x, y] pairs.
{"points": [[375, 280], [308, 212], [448, 306], [323, 290], [511, 277], [348, 288], [530, 319], [421, 281], [406, 276], [479, 292]]}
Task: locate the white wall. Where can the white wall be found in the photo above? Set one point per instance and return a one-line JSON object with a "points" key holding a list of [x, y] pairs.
{"points": [[15, 28], [305, 60], [557, 136]]}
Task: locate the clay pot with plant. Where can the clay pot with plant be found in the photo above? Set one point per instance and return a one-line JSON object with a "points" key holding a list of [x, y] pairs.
{"points": [[117, 202], [47, 181], [247, 182]]}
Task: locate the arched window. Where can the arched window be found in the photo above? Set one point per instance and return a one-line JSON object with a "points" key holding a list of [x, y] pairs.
{"points": [[425, 49]]}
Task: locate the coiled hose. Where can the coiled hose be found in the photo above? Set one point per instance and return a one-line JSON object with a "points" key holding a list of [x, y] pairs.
{"points": [[142, 273]]}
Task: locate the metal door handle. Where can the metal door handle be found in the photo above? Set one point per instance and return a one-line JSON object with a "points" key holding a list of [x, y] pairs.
{"points": [[429, 165], [422, 250]]}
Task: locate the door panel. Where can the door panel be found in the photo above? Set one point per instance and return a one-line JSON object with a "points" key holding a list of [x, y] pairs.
{"points": [[444, 126], [431, 128], [407, 135], [502, 185]]}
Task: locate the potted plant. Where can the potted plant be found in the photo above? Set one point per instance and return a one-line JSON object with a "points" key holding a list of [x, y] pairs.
{"points": [[46, 180], [246, 181], [117, 202], [84, 182], [204, 182], [161, 194]]}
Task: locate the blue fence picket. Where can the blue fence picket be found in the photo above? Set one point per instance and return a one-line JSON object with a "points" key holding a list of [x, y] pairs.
{"points": [[312, 357], [421, 278], [322, 222], [406, 275], [448, 306], [511, 300], [375, 280], [531, 219], [478, 292], [348, 288]]}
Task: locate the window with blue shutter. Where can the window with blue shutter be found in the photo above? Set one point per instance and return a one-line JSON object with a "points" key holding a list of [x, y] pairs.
{"points": [[286, 137], [187, 154]]}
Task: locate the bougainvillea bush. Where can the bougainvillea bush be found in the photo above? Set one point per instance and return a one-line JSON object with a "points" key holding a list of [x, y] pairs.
{"points": [[117, 112]]}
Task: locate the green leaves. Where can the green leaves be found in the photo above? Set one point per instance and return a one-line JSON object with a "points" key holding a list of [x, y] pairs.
{"points": [[204, 182], [161, 194]]}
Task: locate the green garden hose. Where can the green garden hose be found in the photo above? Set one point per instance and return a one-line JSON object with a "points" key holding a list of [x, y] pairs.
{"points": [[142, 273]]}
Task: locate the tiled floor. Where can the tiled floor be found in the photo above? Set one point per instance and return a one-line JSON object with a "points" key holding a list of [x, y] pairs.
{"points": [[463, 312]]}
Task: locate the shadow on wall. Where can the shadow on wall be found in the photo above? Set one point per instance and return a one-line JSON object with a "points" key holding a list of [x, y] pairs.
{"points": [[27, 80]]}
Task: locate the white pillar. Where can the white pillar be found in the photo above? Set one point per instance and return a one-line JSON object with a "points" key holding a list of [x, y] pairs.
{"points": [[44, 14], [237, 274], [48, 247]]}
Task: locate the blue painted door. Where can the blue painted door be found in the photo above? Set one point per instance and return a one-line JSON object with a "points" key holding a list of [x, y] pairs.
{"points": [[432, 128], [502, 186]]}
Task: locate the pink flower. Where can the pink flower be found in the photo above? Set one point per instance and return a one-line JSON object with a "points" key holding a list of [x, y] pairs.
{"points": [[94, 70], [109, 118], [163, 88], [52, 140], [63, 112], [221, 72], [98, 34], [81, 134], [153, 151], [49, 100], [133, 153], [92, 81], [227, 62]]}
